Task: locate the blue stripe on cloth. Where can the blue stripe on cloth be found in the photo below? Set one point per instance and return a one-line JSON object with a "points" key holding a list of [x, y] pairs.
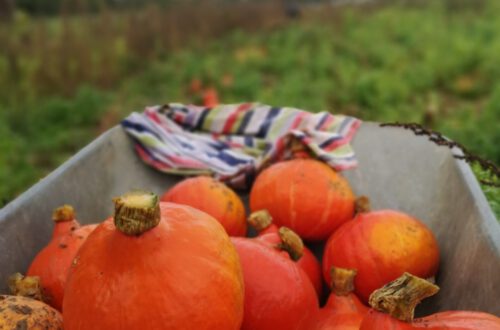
{"points": [[346, 122], [183, 144], [230, 159], [244, 122], [325, 116], [203, 115], [248, 141], [330, 140], [138, 127], [267, 122]]}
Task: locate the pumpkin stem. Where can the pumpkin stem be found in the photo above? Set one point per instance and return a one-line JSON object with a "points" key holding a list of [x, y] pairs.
{"points": [[136, 212], [291, 243], [342, 280], [400, 297], [25, 286], [260, 220], [362, 204], [63, 213]]}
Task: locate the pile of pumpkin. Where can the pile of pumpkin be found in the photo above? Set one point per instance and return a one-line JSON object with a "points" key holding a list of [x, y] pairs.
{"points": [[182, 261]]}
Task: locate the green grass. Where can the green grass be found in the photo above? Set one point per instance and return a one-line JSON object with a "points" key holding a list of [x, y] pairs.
{"points": [[420, 64]]}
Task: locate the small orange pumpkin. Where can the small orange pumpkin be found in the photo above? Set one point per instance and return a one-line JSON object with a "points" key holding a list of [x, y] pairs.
{"points": [[343, 310], [52, 263], [213, 197], [155, 266], [278, 293], [399, 298], [305, 195], [381, 246], [262, 222]]}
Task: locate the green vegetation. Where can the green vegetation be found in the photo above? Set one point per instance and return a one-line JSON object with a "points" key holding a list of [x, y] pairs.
{"points": [[427, 64]]}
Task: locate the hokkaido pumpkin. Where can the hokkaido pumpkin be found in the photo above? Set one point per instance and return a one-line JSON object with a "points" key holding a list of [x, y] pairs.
{"points": [[213, 197], [399, 298], [343, 310], [278, 294], [262, 222], [305, 195], [381, 246], [155, 266], [53, 262]]}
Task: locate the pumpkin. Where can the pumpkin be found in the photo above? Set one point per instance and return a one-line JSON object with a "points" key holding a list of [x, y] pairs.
{"points": [[52, 263], [155, 266], [278, 294], [343, 310], [18, 312], [262, 222], [305, 195], [213, 197], [22, 311], [399, 298], [381, 246]]}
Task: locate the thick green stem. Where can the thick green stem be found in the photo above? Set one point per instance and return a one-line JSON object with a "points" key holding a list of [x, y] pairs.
{"points": [[260, 220], [342, 280], [400, 297], [291, 243], [137, 212]]}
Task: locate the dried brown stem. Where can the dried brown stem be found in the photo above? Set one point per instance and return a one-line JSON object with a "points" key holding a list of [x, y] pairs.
{"points": [[400, 297], [342, 280], [291, 243]]}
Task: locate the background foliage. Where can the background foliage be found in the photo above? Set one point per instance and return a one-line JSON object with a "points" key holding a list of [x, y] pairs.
{"points": [[66, 77]]}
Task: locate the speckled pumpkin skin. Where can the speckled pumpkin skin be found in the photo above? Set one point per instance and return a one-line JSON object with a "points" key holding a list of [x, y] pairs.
{"points": [[278, 294], [449, 320], [213, 197], [381, 246], [305, 195], [182, 274], [24, 313], [308, 262], [341, 313], [52, 263]]}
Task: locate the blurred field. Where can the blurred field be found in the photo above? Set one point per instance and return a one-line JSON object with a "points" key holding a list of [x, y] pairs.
{"points": [[64, 80]]}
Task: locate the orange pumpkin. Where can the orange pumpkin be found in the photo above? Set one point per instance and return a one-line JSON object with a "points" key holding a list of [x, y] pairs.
{"points": [[213, 197], [262, 222], [278, 294], [449, 320], [305, 195], [52, 263], [155, 266], [381, 246], [399, 298], [343, 310]]}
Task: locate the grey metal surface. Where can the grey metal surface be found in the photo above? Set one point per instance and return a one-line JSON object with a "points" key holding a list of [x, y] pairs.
{"points": [[396, 170]]}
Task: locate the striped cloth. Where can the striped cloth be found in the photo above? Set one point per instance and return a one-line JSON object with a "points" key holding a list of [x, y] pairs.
{"points": [[233, 142]]}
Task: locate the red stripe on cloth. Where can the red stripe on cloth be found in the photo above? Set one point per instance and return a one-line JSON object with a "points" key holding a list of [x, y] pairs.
{"points": [[297, 120], [234, 116], [187, 162], [327, 122], [149, 160], [178, 117], [354, 127]]}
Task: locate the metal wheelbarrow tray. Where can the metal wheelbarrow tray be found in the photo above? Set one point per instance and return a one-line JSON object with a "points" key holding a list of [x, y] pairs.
{"points": [[396, 170]]}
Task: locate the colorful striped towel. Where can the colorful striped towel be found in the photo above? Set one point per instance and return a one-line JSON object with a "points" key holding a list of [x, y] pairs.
{"points": [[233, 142]]}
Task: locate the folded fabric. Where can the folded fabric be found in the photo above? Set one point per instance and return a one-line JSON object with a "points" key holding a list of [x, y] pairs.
{"points": [[233, 142]]}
